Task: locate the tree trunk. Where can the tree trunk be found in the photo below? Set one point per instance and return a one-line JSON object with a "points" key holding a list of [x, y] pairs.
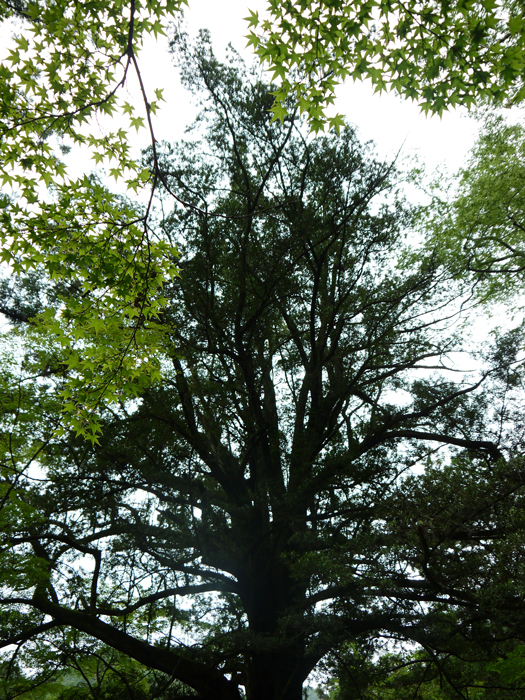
{"points": [[275, 677], [274, 602]]}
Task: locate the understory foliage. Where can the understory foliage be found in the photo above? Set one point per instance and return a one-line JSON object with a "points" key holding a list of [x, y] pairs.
{"points": [[427, 675], [86, 671], [317, 469]]}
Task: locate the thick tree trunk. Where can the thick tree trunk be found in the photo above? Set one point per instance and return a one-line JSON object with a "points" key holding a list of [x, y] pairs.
{"points": [[274, 677], [274, 601]]}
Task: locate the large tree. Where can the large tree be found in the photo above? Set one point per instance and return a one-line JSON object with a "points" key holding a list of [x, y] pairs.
{"points": [[261, 505], [67, 67]]}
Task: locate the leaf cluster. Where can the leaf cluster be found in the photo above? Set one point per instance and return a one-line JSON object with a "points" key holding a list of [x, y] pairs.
{"points": [[442, 54], [480, 231], [62, 73]]}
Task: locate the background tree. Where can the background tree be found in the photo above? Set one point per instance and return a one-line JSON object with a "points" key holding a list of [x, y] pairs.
{"points": [[481, 226], [258, 508], [441, 54], [427, 675]]}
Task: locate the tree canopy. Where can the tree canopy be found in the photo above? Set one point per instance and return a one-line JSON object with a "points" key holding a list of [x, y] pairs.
{"points": [[428, 676], [314, 468], [480, 227], [442, 53], [66, 68]]}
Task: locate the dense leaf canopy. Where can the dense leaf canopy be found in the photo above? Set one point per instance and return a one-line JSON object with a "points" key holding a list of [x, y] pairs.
{"points": [[314, 469], [61, 78]]}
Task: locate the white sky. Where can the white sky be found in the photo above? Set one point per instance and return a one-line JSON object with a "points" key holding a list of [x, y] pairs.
{"points": [[392, 122]]}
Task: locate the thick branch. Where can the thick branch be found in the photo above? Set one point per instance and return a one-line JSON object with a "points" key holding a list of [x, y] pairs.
{"points": [[207, 681]]}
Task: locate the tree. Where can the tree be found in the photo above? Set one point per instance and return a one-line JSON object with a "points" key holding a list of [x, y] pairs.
{"points": [[480, 228], [482, 659], [257, 509], [90, 672], [442, 53], [68, 67], [425, 675]]}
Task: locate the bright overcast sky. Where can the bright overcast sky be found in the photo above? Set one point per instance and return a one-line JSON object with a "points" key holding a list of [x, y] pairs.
{"points": [[392, 122]]}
